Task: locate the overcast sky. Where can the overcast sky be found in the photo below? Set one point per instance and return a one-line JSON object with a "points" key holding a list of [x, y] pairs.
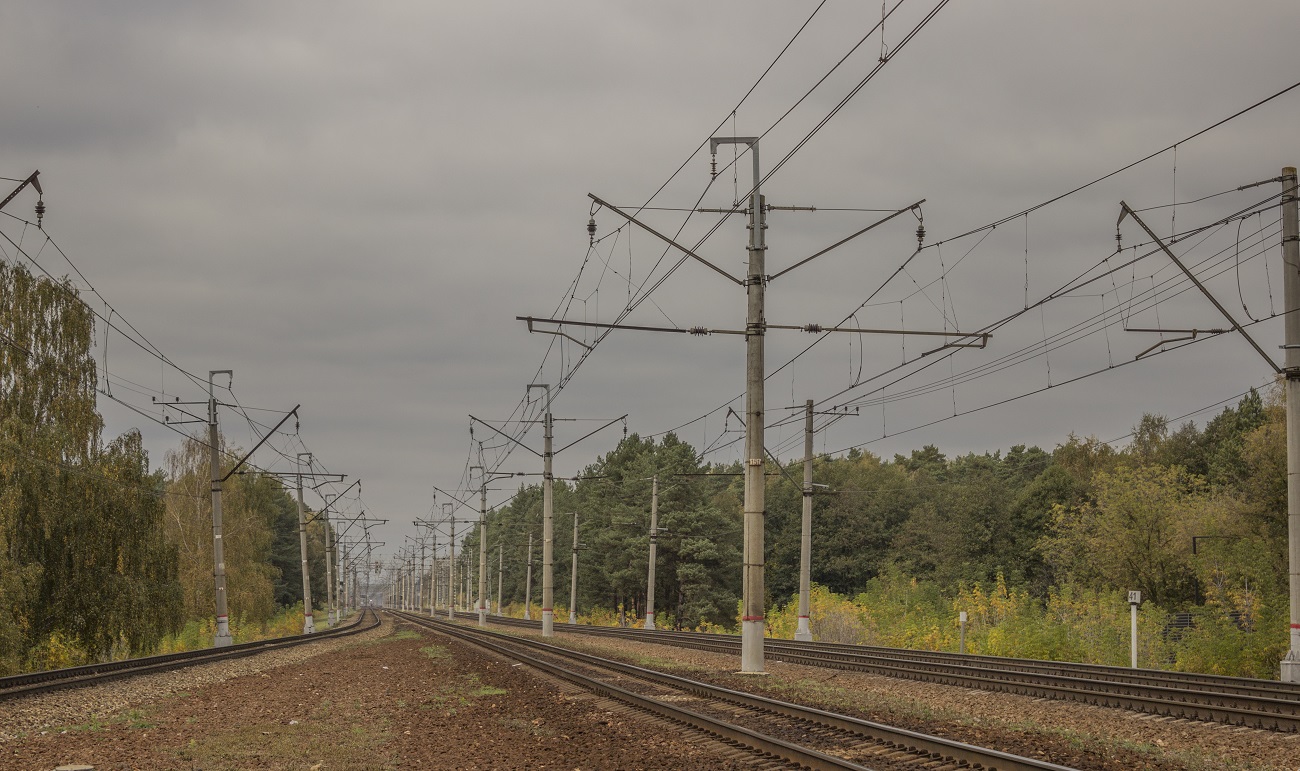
{"points": [[349, 204]]}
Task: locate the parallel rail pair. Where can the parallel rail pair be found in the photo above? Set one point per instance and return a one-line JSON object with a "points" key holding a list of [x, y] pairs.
{"points": [[1265, 704], [884, 744], [16, 686]]}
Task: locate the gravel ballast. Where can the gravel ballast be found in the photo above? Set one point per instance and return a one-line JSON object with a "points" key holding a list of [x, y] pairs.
{"points": [[1068, 733], [389, 698]]}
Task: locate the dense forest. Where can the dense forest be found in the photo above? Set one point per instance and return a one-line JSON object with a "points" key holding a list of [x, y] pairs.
{"points": [[100, 556], [1040, 547]]}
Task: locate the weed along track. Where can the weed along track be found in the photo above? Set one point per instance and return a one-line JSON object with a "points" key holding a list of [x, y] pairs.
{"points": [[800, 736], [17, 686]]}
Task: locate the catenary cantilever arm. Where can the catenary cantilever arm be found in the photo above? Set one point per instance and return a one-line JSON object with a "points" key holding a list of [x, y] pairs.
{"points": [[845, 240], [1126, 211], [665, 239], [507, 436]]}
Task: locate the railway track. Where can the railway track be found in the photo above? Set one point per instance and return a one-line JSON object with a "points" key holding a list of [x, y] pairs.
{"points": [[797, 735], [16, 686], [1265, 704]]}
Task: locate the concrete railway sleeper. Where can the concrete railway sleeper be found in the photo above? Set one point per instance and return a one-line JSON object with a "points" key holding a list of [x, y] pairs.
{"points": [[1238, 701], [17, 686], [801, 735]]}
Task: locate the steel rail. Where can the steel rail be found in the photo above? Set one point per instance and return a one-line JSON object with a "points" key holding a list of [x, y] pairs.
{"points": [[29, 683], [1239, 685], [1238, 701], [931, 748]]}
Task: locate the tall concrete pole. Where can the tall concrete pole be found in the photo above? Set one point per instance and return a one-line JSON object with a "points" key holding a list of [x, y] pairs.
{"points": [[805, 540], [419, 580], [501, 574], [433, 573], [528, 583], [341, 592], [329, 564], [1291, 286], [308, 625], [573, 578], [340, 602], [452, 588], [548, 525], [654, 548], [222, 637], [752, 605], [482, 552]]}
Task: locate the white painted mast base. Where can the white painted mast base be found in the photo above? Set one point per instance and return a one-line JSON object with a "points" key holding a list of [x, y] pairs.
{"points": [[222, 638], [308, 626], [803, 633], [548, 623], [751, 647], [649, 621], [573, 617], [482, 616], [1291, 665]]}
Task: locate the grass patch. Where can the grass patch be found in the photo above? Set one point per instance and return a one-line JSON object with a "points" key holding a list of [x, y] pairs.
{"points": [[435, 652], [132, 718], [135, 718], [526, 726], [96, 724], [361, 746]]}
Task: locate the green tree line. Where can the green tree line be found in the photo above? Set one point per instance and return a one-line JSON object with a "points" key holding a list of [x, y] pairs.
{"points": [[100, 556], [1048, 529]]}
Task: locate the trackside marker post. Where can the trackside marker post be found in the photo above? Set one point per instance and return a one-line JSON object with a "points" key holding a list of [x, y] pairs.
{"points": [[1134, 600]]}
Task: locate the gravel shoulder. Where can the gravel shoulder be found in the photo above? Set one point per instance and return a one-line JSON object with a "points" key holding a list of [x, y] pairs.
{"points": [[389, 698], [1068, 733]]}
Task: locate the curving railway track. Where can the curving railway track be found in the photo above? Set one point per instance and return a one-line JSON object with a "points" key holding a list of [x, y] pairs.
{"points": [[16, 686], [1264, 704], [797, 735]]}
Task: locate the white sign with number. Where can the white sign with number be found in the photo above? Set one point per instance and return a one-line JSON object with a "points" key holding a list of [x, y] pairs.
{"points": [[1135, 598]]}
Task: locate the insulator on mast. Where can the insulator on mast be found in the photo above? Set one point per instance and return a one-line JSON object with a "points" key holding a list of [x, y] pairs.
{"points": [[40, 212], [591, 232]]}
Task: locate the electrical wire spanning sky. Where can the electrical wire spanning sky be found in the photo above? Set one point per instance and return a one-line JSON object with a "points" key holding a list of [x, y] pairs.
{"points": [[349, 207]]}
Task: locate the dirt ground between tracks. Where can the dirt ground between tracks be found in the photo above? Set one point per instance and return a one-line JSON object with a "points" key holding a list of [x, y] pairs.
{"points": [[400, 699]]}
